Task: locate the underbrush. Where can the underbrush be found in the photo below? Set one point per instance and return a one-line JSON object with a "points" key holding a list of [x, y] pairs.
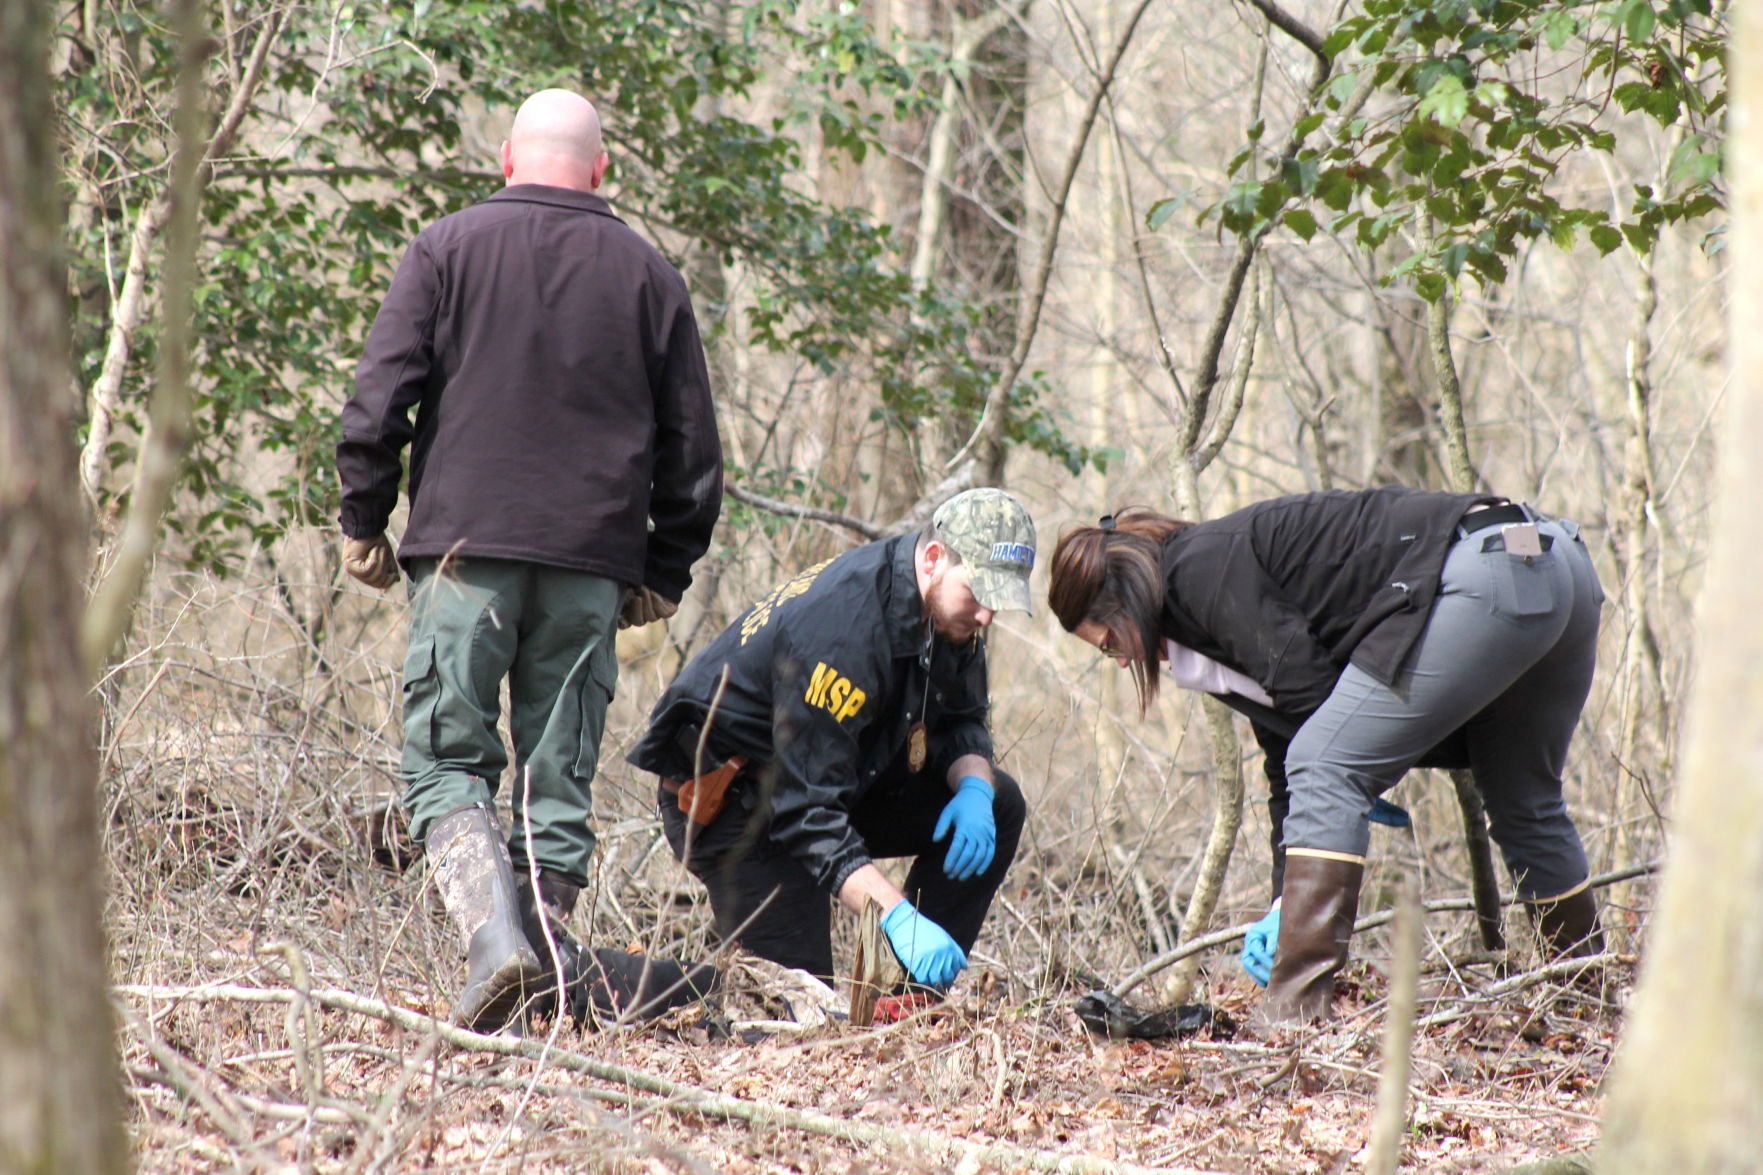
{"points": [[284, 971]]}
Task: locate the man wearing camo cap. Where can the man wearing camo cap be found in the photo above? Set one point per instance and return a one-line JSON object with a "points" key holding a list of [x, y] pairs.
{"points": [[853, 727]]}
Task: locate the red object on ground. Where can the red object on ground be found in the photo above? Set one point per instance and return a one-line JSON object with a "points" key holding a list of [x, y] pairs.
{"points": [[891, 1009]]}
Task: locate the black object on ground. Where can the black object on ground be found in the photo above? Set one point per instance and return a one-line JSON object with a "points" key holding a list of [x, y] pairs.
{"points": [[1106, 1014]]}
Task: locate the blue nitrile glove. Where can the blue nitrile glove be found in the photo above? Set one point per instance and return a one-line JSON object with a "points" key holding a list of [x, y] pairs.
{"points": [[929, 954], [1259, 945], [1384, 812], [976, 833]]}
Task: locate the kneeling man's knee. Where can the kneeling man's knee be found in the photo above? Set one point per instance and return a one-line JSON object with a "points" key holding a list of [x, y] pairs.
{"points": [[1009, 809]]}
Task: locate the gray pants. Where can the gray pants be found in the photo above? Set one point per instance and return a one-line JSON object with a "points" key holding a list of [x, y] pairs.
{"points": [[550, 632], [1507, 654]]}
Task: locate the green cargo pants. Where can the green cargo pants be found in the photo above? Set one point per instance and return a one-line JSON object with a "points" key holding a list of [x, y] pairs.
{"points": [[550, 632]]}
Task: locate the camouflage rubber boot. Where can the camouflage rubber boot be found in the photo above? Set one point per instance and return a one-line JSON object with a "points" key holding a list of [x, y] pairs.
{"points": [[476, 880]]}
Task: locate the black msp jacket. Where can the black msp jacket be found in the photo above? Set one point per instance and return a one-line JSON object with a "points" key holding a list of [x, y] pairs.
{"points": [[1290, 590], [560, 392], [826, 676]]}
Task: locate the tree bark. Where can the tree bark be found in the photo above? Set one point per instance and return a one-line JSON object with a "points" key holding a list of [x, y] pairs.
{"points": [[134, 301], [1483, 884], [1698, 1009], [60, 1108], [1389, 1124], [161, 458], [1647, 731], [1221, 734]]}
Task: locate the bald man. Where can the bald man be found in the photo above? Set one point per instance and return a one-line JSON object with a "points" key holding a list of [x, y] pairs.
{"points": [[565, 475]]}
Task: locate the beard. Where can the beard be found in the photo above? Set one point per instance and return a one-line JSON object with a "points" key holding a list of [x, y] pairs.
{"points": [[951, 608]]}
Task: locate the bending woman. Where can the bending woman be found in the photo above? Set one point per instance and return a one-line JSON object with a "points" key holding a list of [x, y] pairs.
{"points": [[1375, 626]]}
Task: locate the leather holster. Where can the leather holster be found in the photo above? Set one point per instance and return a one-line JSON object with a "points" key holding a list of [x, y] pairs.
{"points": [[702, 798]]}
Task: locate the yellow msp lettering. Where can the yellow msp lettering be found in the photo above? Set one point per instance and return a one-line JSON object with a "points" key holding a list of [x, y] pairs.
{"points": [[833, 692], [824, 676], [760, 615]]}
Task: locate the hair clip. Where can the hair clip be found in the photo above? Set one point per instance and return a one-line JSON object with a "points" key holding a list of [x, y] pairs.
{"points": [[1107, 522]]}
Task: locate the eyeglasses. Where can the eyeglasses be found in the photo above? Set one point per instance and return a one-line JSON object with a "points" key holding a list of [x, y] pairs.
{"points": [[1107, 649]]}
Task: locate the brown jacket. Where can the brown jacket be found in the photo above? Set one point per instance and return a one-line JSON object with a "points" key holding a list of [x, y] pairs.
{"points": [[561, 398]]}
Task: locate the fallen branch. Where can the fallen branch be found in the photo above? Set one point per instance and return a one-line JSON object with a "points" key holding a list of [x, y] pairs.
{"points": [[1561, 1165], [1565, 969], [1231, 934], [670, 1095], [182, 1084]]}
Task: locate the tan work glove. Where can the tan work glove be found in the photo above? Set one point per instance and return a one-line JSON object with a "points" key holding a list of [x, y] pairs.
{"points": [[371, 561], [645, 607]]}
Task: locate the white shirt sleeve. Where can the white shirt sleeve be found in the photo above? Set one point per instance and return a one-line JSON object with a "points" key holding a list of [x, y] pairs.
{"points": [[1196, 671]]}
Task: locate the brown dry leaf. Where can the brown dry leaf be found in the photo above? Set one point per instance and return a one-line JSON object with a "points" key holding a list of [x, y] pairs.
{"points": [[1173, 1070]]}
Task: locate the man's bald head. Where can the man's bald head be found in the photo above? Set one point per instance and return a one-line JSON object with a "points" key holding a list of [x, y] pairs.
{"points": [[555, 140]]}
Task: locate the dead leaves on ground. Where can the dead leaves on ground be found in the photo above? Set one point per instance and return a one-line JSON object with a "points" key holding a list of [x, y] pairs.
{"points": [[1493, 1088]]}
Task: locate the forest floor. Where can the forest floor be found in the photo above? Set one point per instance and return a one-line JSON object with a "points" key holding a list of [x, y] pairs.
{"points": [[262, 1069], [283, 971]]}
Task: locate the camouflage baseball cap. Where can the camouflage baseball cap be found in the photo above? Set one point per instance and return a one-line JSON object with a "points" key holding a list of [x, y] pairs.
{"points": [[995, 538]]}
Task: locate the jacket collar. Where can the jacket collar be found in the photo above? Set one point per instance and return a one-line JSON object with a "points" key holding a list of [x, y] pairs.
{"points": [[558, 197], [905, 608]]}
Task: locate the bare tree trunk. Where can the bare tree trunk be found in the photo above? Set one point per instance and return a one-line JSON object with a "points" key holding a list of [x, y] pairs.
{"points": [[1111, 415], [1221, 733], [1698, 1011], [168, 436], [939, 168], [163, 449], [1641, 664], [60, 1105], [980, 461], [1483, 884], [1646, 729]]}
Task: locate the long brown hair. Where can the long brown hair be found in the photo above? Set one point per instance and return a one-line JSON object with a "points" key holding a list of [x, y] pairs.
{"points": [[1112, 574]]}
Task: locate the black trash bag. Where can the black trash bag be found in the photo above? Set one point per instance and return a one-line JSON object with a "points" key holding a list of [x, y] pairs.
{"points": [[603, 985], [1106, 1014]]}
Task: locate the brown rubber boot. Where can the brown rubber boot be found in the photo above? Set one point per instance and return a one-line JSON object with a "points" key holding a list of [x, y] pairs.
{"points": [[476, 880], [1317, 906], [1568, 925]]}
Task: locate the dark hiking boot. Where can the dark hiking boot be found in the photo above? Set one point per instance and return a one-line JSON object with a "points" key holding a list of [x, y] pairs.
{"points": [[1318, 903], [1568, 925], [476, 881], [544, 917], [599, 985]]}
